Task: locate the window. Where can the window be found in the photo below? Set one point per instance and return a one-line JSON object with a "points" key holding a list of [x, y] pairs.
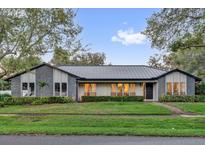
{"points": [[28, 89], [93, 90], [24, 86], [176, 88], [31, 89], [169, 88], [126, 89], [64, 89], [119, 92], [113, 89], [90, 89], [182, 88], [57, 89], [132, 89]]}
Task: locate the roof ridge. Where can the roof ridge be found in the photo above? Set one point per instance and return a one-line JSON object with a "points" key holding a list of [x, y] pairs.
{"points": [[97, 65], [113, 66]]}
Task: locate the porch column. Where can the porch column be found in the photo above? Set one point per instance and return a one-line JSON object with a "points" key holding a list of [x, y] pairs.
{"points": [[144, 91]]}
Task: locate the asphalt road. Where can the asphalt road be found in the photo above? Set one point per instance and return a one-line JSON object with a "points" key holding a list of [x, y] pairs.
{"points": [[98, 140]]}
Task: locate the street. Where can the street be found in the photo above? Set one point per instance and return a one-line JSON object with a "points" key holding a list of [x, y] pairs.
{"points": [[98, 140]]}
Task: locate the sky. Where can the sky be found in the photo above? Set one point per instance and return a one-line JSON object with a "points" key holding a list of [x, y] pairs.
{"points": [[116, 32]]}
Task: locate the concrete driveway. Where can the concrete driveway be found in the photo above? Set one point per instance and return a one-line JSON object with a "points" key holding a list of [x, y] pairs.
{"points": [[98, 140]]}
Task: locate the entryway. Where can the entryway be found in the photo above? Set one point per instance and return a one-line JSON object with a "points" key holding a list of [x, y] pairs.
{"points": [[149, 90]]}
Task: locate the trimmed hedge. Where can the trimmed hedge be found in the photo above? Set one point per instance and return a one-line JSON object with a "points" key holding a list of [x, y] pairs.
{"points": [[184, 98], [112, 98], [36, 100]]}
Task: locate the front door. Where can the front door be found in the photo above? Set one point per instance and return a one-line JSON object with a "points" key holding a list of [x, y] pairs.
{"points": [[149, 91]]}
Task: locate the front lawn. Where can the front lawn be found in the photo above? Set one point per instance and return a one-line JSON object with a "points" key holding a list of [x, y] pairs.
{"points": [[193, 107], [102, 125], [128, 108]]}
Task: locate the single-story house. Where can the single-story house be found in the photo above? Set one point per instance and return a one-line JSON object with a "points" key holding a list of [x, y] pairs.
{"points": [[107, 80]]}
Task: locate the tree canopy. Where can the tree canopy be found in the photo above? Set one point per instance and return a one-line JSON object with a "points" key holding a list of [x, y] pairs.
{"points": [[176, 28], [78, 58], [180, 34], [34, 32]]}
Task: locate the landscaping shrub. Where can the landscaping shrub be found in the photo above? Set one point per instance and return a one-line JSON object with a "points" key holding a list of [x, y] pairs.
{"points": [[112, 98], [184, 98], [36, 100], [2, 104], [2, 96]]}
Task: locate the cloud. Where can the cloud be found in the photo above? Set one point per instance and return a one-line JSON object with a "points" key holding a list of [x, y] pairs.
{"points": [[124, 23], [129, 37]]}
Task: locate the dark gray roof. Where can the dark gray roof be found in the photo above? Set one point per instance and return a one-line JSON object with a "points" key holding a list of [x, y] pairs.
{"points": [[114, 71]]}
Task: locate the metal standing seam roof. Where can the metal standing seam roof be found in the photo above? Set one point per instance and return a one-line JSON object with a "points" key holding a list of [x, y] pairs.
{"points": [[113, 71]]}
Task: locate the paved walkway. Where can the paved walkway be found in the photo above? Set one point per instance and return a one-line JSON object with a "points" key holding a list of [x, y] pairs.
{"points": [[174, 109], [98, 140]]}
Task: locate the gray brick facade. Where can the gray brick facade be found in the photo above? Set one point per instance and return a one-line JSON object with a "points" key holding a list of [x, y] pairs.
{"points": [[72, 87], [161, 86], [190, 86], [44, 73], [16, 86]]}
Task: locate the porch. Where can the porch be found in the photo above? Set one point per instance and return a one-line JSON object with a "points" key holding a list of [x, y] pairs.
{"points": [[147, 89]]}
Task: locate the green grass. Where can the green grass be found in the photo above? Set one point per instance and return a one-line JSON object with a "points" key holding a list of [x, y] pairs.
{"points": [[198, 108], [102, 125], [90, 108]]}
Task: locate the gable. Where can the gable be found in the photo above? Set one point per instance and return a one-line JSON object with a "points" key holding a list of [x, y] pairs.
{"points": [[177, 73]]}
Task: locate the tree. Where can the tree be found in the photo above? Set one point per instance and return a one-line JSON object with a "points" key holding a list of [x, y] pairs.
{"points": [[12, 65], [168, 27], [77, 58], [180, 32], [89, 58], [26, 32], [161, 61], [42, 85]]}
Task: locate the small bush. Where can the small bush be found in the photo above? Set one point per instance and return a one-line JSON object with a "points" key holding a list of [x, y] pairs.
{"points": [[2, 96], [112, 98], [184, 98], [2, 104], [36, 100]]}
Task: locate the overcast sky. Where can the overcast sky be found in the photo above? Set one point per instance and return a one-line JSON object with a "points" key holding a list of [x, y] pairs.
{"points": [[117, 33]]}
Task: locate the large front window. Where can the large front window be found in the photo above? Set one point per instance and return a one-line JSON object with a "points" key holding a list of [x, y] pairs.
{"points": [[125, 89], [119, 92], [169, 88], [176, 88], [90, 89], [182, 88], [132, 89], [113, 90]]}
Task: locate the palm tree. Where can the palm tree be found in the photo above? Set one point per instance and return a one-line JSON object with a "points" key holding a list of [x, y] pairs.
{"points": [[42, 85]]}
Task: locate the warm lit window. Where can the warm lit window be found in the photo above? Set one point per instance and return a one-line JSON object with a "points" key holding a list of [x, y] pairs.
{"points": [[176, 88], [113, 89], [90, 89], [57, 89], [132, 89], [169, 88], [182, 88], [126, 89], [119, 87]]}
